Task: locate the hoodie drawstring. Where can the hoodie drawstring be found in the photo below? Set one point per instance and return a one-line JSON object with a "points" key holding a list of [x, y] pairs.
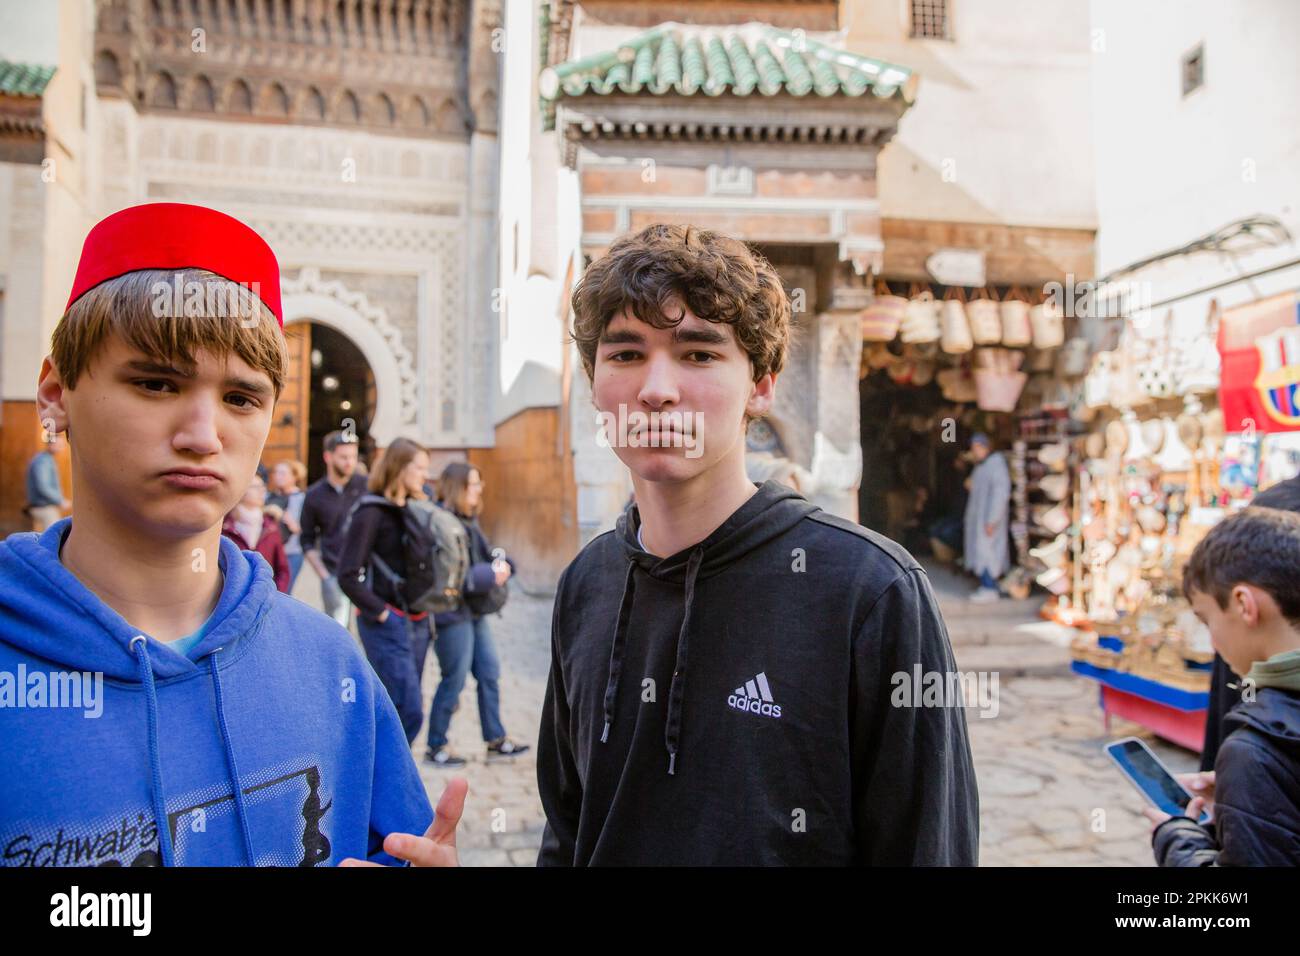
{"points": [[139, 645], [155, 765], [678, 689], [240, 809], [616, 652]]}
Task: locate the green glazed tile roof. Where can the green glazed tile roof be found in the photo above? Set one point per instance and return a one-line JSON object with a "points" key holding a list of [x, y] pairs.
{"points": [[738, 60], [21, 79]]}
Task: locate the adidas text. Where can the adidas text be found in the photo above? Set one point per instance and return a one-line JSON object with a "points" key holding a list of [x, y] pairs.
{"points": [[755, 697]]}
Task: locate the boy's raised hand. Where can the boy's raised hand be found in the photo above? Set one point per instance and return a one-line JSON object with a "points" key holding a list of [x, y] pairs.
{"points": [[438, 845]]}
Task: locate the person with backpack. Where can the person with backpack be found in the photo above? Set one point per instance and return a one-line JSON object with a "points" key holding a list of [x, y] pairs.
{"points": [[464, 643], [395, 637]]}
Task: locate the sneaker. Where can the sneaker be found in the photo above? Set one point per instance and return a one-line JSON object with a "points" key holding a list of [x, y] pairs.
{"points": [[505, 747], [985, 596], [443, 757]]}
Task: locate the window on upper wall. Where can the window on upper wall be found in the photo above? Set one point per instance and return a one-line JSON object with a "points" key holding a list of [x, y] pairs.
{"points": [[1194, 70], [930, 20]]}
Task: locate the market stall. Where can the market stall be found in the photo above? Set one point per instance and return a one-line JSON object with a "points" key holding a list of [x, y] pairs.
{"points": [[940, 363], [1160, 465]]}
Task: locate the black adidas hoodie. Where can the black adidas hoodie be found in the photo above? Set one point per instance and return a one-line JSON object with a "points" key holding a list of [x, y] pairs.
{"points": [[731, 704]]}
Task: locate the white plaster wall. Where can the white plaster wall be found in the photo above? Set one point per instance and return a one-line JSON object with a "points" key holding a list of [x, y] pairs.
{"points": [[42, 208], [29, 31], [1171, 168], [22, 216], [524, 307], [999, 131], [539, 223]]}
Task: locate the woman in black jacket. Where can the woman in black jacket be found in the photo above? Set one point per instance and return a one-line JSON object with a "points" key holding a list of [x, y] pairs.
{"points": [[465, 643], [396, 643]]}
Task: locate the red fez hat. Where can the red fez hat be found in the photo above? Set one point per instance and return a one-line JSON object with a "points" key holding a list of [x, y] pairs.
{"points": [[169, 235]]}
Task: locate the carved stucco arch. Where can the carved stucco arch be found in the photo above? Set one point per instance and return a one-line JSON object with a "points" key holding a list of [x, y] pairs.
{"points": [[310, 299]]}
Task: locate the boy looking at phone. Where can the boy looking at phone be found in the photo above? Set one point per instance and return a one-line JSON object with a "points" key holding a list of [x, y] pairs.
{"points": [[1241, 581]]}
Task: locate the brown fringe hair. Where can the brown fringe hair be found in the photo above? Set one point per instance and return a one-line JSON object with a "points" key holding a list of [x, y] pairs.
{"points": [[134, 307]]}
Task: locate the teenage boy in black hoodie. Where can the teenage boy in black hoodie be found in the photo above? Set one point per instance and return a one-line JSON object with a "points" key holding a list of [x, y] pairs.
{"points": [[724, 662], [1241, 581]]}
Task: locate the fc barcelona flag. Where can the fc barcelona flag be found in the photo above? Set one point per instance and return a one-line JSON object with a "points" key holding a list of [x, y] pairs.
{"points": [[1260, 377]]}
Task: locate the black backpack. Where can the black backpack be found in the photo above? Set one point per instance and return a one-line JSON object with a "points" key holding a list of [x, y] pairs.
{"points": [[436, 550]]}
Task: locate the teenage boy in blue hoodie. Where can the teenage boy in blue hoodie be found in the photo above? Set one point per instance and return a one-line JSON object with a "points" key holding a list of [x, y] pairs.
{"points": [[160, 701]]}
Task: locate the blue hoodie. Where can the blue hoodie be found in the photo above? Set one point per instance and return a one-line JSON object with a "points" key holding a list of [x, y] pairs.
{"points": [[272, 743]]}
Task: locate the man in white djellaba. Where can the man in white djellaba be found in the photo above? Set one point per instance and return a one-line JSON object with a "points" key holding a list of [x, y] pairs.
{"points": [[985, 542]]}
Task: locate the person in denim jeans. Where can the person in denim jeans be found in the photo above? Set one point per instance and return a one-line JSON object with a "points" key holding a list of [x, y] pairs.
{"points": [[396, 643], [464, 644]]}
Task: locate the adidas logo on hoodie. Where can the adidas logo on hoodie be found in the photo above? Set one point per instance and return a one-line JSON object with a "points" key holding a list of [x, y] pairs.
{"points": [[755, 697]]}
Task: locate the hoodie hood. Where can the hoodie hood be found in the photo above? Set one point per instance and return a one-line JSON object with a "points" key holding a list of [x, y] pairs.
{"points": [[771, 511], [48, 613], [1280, 670], [1274, 714]]}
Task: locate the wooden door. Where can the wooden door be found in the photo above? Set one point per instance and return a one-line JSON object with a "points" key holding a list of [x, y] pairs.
{"points": [[288, 438]]}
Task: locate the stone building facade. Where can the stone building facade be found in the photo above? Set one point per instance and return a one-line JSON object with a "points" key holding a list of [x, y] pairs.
{"points": [[360, 139]]}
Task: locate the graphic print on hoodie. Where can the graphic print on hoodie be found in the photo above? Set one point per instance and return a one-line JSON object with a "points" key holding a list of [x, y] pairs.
{"points": [[272, 743], [730, 704]]}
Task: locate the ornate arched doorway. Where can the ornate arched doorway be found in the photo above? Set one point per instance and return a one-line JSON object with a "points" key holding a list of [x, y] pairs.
{"points": [[330, 386], [348, 369]]}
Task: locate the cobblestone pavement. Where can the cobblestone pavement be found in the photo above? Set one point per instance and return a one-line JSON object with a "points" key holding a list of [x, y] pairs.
{"points": [[1048, 795]]}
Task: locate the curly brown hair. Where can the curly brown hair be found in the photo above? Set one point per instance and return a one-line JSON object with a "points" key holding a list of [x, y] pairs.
{"points": [[718, 278]]}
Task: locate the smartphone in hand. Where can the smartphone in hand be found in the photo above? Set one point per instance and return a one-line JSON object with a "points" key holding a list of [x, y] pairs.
{"points": [[1145, 771]]}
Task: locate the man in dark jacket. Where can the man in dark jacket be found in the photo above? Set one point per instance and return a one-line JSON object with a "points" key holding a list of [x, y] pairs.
{"points": [[1240, 581], [324, 510], [727, 663]]}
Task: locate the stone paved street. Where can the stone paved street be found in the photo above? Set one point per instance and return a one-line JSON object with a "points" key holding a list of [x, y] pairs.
{"points": [[1048, 795]]}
